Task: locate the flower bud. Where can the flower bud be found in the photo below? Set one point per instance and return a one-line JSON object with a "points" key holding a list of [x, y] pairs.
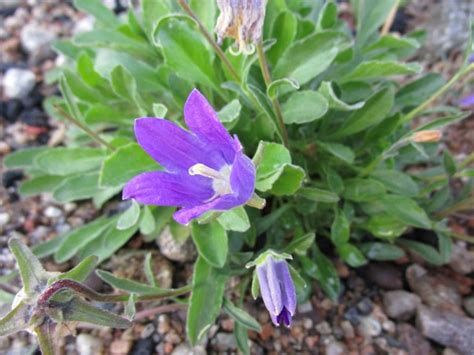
{"points": [[241, 20], [433, 135]]}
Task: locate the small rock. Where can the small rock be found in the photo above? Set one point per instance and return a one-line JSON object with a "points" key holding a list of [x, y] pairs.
{"points": [[185, 349], [308, 323], [447, 328], [468, 304], [4, 219], [87, 344], [34, 36], [12, 110], [5, 4], [120, 347], [18, 83], [462, 260], [365, 306], [369, 327], [142, 347], [181, 251], [53, 212], [305, 307], [347, 329], [323, 328], [163, 324], [435, 290], [4, 148], [413, 341], [385, 275], [400, 304], [147, 331], [225, 341], [85, 24], [449, 351], [336, 348]]}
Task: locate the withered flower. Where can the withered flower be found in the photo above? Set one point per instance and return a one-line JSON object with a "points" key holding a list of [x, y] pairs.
{"points": [[241, 20]]}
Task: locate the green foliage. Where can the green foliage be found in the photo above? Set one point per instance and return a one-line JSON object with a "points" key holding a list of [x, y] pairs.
{"points": [[345, 175]]}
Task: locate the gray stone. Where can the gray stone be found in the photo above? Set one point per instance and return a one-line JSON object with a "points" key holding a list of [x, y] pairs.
{"points": [[447, 328], [34, 36], [462, 260], [336, 348], [173, 249], [185, 349], [88, 345], [5, 4], [53, 212], [468, 304], [225, 341], [412, 339], [369, 327], [323, 328], [18, 83], [400, 305]]}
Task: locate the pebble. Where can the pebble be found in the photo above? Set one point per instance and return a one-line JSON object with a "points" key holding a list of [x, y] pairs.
{"points": [[4, 4], [53, 212], [468, 304], [185, 349], [336, 348], [85, 24], [369, 327], [365, 306], [147, 331], [462, 260], [225, 341], [400, 304], [142, 347], [323, 328], [87, 344], [4, 219], [347, 329], [305, 307], [385, 275], [163, 324], [175, 250], [120, 347], [308, 323], [412, 339], [4, 148], [34, 36], [18, 83], [447, 328]]}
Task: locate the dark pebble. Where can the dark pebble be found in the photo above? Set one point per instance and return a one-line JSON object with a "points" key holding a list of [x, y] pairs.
{"points": [[400, 22], [365, 306], [12, 110], [143, 347], [33, 100], [385, 275], [352, 315], [10, 177], [5, 66], [34, 117], [8, 11], [43, 138]]}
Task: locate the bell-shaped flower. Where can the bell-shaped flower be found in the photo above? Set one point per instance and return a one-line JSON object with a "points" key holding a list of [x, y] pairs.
{"points": [[206, 169], [241, 20], [277, 288]]}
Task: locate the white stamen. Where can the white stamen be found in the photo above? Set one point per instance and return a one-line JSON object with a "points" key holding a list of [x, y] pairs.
{"points": [[220, 179]]}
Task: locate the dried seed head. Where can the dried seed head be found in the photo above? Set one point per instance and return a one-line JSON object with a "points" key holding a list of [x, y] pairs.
{"points": [[427, 136], [241, 20]]}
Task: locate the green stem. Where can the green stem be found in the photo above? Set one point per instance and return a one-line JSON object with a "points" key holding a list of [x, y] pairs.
{"points": [[466, 238], [211, 41], [415, 112], [268, 80], [44, 339], [468, 160], [82, 126]]}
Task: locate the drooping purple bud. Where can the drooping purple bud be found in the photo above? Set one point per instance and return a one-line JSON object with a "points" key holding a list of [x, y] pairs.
{"points": [[241, 20], [277, 289], [467, 102]]}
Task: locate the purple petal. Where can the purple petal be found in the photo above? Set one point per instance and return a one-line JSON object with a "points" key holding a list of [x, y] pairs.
{"points": [[166, 189], [471, 58], [467, 101], [242, 181], [287, 286], [269, 288], [284, 318], [202, 120], [173, 147]]}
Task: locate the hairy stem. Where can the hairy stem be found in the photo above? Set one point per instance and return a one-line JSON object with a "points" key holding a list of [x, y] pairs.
{"points": [[44, 339], [160, 309], [82, 126], [276, 104]]}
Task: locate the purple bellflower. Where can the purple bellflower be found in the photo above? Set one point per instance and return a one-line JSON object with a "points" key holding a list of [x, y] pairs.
{"points": [[467, 101], [205, 167], [277, 289]]}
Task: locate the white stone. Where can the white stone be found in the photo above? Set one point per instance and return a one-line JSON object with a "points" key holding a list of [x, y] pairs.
{"points": [[18, 83], [85, 24], [52, 212], [88, 345], [4, 219], [33, 37]]}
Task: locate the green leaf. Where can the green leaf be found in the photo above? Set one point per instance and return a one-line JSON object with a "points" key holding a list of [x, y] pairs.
{"points": [[230, 112], [124, 84], [318, 195], [49, 247], [241, 316], [211, 243], [68, 161], [323, 270], [301, 244], [375, 69], [362, 190], [397, 182], [303, 107], [235, 219], [390, 45], [427, 252], [382, 251], [23, 158], [419, 90], [15, 320], [130, 217], [73, 241], [449, 164], [242, 338], [185, 52], [374, 111], [340, 229], [97, 9], [81, 271], [77, 188], [309, 57], [327, 16], [442, 122], [338, 150], [255, 287], [406, 210], [130, 309], [335, 102], [32, 274], [152, 12], [78, 310], [284, 31], [147, 221], [371, 14], [205, 12], [159, 110], [273, 88], [205, 301], [131, 156], [39, 184], [385, 226], [148, 270], [128, 285], [85, 68], [351, 255]]}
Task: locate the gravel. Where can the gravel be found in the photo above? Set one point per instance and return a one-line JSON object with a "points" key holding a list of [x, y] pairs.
{"points": [[18, 83], [400, 304]]}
